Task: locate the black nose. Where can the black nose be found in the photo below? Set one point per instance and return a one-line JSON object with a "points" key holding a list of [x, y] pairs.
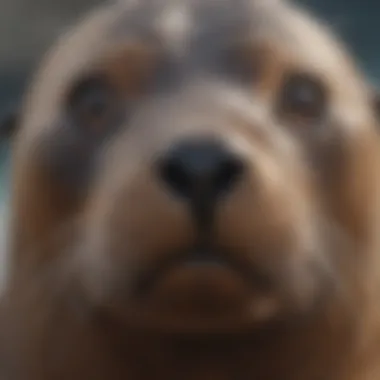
{"points": [[200, 171]]}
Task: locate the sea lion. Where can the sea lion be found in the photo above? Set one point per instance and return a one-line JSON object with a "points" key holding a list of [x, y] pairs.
{"points": [[195, 196]]}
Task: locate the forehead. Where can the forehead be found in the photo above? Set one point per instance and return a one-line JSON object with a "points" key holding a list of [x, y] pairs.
{"points": [[182, 24], [195, 27], [191, 29]]}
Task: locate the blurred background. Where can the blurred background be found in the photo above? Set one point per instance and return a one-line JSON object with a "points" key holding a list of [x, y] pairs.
{"points": [[28, 27]]}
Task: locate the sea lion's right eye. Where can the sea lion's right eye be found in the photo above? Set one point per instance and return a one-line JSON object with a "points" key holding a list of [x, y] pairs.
{"points": [[93, 103]]}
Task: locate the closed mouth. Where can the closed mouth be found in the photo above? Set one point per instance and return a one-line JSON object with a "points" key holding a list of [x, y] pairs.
{"points": [[204, 260]]}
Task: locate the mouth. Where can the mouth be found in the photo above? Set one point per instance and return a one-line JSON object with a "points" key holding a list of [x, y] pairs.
{"points": [[204, 290], [201, 281]]}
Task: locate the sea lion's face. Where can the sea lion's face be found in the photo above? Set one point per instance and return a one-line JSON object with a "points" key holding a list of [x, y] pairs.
{"points": [[210, 153]]}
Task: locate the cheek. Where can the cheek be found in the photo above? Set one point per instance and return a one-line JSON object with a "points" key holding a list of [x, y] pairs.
{"points": [[140, 214], [52, 176], [128, 234], [348, 178], [272, 215], [68, 159], [326, 153]]}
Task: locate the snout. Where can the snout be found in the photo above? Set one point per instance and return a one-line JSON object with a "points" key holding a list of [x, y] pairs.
{"points": [[200, 173], [206, 232]]}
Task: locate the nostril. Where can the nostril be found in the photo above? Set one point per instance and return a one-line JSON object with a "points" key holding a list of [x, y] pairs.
{"points": [[173, 173], [228, 174], [200, 170]]}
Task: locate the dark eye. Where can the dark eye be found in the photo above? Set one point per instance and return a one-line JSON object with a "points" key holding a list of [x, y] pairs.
{"points": [[303, 96], [92, 103]]}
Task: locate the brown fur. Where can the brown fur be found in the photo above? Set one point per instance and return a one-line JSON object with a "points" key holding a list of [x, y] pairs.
{"points": [[91, 221]]}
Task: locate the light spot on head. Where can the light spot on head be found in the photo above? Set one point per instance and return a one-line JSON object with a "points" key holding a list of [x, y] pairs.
{"points": [[174, 26]]}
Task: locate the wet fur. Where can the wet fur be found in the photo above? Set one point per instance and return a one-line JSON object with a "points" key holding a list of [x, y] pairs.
{"points": [[53, 322]]}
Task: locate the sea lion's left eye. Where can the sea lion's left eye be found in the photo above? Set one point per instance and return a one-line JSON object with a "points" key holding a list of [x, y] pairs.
{"points": [[302, 96]]}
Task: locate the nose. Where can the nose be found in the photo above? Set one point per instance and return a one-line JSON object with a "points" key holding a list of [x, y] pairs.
{"points": [[200, 171]]}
